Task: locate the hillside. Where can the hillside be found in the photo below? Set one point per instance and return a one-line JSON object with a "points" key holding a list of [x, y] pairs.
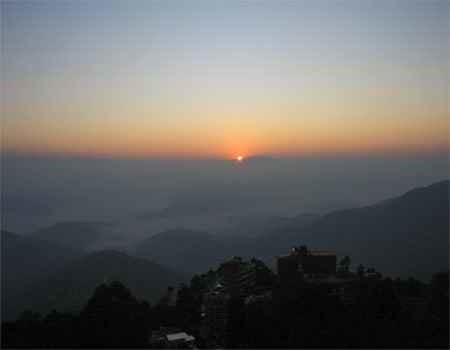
{"points": [[70, 288], [405, 235], [26, 260], [402, 236], [185, 250], [74, 234]]}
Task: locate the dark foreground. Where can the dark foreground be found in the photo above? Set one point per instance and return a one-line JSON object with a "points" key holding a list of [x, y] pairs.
{"points": [[358, 309]]}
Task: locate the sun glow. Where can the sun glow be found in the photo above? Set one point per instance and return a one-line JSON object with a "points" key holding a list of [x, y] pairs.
{"points": [[240, 158]]}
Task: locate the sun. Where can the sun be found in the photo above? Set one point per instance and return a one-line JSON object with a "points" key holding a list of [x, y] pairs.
{"points": [[240, 158]]}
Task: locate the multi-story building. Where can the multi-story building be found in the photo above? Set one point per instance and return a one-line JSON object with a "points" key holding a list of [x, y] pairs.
{"points": [[242, 278], [215, 317], [236, 279], [305, 263]]}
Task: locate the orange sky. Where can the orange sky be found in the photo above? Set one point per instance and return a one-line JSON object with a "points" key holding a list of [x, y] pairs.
{"points": [[282, 79]]}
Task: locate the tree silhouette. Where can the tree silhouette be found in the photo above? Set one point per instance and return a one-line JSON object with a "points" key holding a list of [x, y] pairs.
{"points": [[360, 271], [309, 316], [114, 318], [344, 265]]}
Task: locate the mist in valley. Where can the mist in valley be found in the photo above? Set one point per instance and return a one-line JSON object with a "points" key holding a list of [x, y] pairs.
{"points": [[128, 200]]}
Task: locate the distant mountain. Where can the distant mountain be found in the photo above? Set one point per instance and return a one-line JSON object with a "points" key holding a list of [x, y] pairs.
{"points": [[195, 251], [74, 234], [252, 226], [406, 235], [185, 250], [301, 220], [26, 260], [70, 288], [401, 236]]}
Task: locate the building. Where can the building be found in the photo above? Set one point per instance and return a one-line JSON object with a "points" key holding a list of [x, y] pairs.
{"points": [[180, 340], [172, 338], [215, 317], [242, 278], [304, 263], [236, 276], [258, 298], [257, 307], [236, 280]]}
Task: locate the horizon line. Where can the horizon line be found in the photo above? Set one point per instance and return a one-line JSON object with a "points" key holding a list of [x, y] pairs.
{"points": [[265, 156]]}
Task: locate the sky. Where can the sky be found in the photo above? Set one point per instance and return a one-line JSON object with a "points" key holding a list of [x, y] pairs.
{"points": [[224, 78]]}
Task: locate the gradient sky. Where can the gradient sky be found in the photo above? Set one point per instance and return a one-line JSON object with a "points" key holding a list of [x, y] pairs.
{"points": [[224, 78]]}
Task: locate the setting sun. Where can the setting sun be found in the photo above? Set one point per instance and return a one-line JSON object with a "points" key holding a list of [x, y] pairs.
{"points": [[239, 158]]}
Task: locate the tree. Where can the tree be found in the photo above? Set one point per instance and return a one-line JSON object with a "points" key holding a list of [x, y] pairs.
{"points": [[384, 300], [303, 249], [187, 307], [344, 265], [360, 271], [30, 316], [236, 323], [114, 318], [439, 302]]}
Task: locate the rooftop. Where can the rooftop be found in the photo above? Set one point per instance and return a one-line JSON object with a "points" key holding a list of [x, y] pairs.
{"points": [[322, 252], [179, 336], [314, 252]]}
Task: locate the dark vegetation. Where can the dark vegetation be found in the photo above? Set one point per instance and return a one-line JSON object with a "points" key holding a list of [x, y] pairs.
{"points": [[299, 315]]}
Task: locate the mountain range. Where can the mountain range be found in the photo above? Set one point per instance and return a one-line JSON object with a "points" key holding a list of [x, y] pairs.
{"points": [[25, 261], [78, 235], [407, 235], [185, 250], [402, 236]]}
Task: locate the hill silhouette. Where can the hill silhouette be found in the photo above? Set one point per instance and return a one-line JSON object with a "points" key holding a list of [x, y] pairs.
{"points": [[401, 236], [74, 234], [70, 288], [412, 229], [26, 260], [185, 250]]}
